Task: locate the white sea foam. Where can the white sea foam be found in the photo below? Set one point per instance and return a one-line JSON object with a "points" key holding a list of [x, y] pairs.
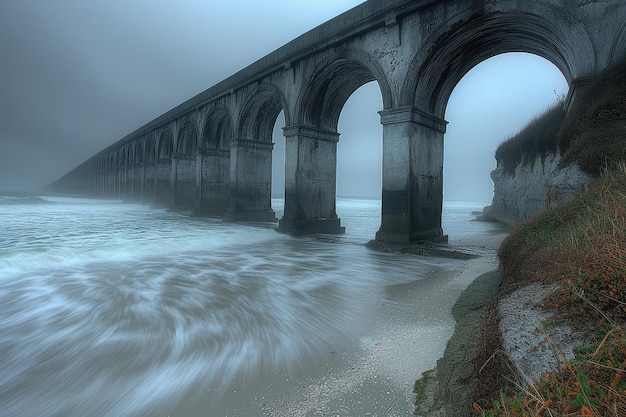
{"points": [[119, 309]]}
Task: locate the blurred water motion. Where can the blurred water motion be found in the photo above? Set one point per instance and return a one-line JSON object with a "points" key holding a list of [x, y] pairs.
{"points": [[112, 309]]}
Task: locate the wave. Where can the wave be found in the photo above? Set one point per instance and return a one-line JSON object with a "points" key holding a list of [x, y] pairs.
{"points": [[10, 200]]}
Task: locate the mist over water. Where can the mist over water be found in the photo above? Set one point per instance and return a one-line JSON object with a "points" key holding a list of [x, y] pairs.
{"points": [[114, 309]]}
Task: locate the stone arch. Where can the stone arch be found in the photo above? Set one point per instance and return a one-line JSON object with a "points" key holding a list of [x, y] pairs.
{"points": [[437, 68], [110, 162], [333, 82], [618, 49], [125, 157], [163, 168], [150, 169], [138, 152], [118, 159], [218, 128], [149, 150], [187, 138], [165, 145], [260, 111], [110, 171]]}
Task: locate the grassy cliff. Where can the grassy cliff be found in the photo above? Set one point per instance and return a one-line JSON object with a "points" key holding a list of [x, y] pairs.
{"points": [[581, 247], [590, 134]]}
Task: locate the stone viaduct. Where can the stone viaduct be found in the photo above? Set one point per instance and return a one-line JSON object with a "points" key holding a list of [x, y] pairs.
{"points": [[212, 154]]}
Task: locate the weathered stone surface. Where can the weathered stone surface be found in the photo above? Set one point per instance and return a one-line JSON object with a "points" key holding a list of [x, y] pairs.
{"points": [[416, 51], [532, 188]]}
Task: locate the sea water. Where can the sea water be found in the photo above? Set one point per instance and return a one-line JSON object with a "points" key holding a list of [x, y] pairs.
{"points": [[116, 309]]}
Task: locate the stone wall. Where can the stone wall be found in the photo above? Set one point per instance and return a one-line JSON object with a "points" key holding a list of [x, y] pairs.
{"points": [[533, 187]]}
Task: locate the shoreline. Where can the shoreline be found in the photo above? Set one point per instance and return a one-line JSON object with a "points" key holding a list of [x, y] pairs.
{"points": [[446, 389], [376, 375], [513, 320], [388, 358]]}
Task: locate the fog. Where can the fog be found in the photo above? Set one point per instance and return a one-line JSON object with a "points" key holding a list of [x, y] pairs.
{"points": [[78, 75]]}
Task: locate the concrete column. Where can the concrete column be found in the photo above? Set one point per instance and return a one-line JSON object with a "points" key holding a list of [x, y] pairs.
{"points": [[164, 172], [100, 178], [173, 182], [184, 181], [412, 195], [143, 181], [198, 190], [119, 181], [250, 181], [132, 176], [214, 192], [127, 188], [310, 181], [157, 182]]}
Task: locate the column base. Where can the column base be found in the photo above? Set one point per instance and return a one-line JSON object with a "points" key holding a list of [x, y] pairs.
{"points": [[433, 236], [311, 226], [252, 216]]}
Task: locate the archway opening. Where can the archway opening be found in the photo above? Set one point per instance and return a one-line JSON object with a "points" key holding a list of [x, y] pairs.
{"points": [[492, 102], [215, 162], [278, 166], [359, 161], [251, 189]]}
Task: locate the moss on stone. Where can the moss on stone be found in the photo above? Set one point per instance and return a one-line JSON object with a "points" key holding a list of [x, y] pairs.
{"points": [[446, 390]]}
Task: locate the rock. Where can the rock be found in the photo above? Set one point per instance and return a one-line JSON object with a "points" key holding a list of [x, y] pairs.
{"points": [[445, 390], [532, 188], [533, 347]]}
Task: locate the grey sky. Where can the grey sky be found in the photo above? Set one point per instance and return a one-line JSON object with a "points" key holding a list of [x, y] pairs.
{"points": [[77, 75]]}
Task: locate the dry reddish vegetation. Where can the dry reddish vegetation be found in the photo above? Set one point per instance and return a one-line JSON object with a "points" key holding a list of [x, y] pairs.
{"points": [[582, 247]]}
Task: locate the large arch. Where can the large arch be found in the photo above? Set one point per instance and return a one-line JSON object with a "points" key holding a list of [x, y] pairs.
{"points": [[187, 138], [437, 68], [413, 133], [149, 150], [505, 93], [184, 165], [166, 145], [334, 80], [251, 155], [164, 169], [259, 113], [416, 52], [214, 174], [218, 128], [311, 144]]}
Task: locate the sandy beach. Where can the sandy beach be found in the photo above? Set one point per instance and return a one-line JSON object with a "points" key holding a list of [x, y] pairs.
{"points": [[406, 334]]}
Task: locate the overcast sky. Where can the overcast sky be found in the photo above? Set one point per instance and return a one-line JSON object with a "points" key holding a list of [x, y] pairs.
{"points": [[78, 75]]}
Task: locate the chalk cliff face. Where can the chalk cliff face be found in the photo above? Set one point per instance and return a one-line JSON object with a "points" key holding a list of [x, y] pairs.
{"points": [[532, 188]]}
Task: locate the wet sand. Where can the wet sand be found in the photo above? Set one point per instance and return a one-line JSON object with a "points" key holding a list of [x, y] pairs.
{"points": [[405, 334]]}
